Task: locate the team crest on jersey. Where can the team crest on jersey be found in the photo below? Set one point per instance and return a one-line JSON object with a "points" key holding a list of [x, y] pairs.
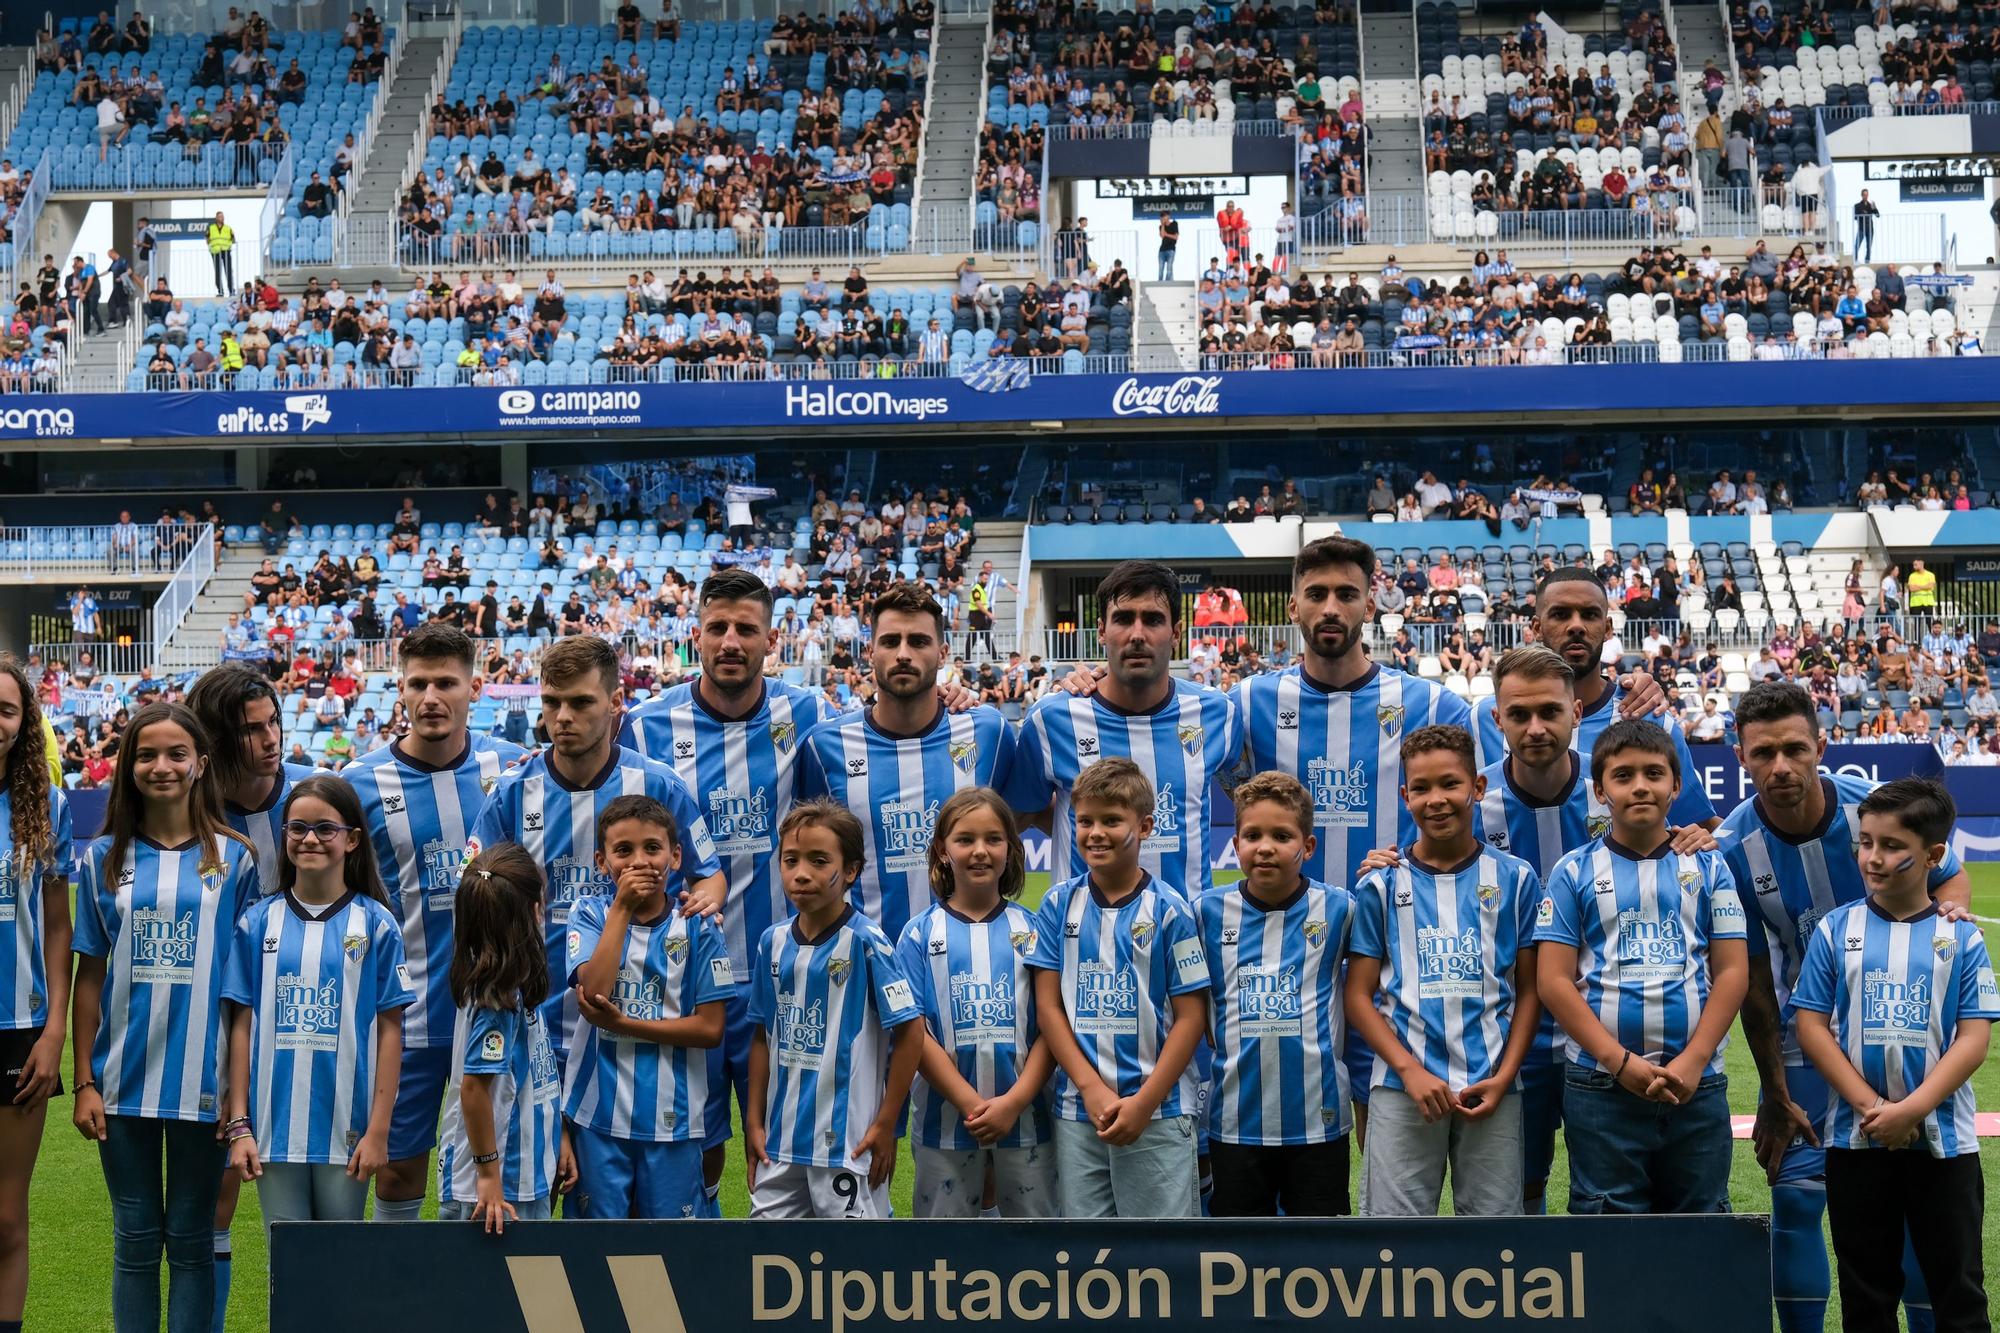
{"points": [[1488, 894], [1315, 933], [1690, 881], [211, 879], [783, 734], [1943, 946], [964, 754], [1141, 928], [1597, 825], [837, 970], [393, 804], [1023, 942], [1390, 716], [354, 946], [487, 784], [1191, 734], [676, 946], [1329, 1115]]}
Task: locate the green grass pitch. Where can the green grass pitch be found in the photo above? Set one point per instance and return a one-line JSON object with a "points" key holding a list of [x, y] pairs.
{"points": [[70, 1230]]}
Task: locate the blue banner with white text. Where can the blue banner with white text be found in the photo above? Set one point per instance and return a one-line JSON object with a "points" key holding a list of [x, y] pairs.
{"points": [[943, 401], [1517, 1273]]}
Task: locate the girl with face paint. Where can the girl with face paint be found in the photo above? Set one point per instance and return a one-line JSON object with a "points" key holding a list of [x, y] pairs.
{"points": [[158, 896]]}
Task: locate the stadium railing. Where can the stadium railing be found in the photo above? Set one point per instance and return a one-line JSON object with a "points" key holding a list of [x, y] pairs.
{"points": [[171, 608], [78, 550], [240, 167], [24, 222], [111, 658]]}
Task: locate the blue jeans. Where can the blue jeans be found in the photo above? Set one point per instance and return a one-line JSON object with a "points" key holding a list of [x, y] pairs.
{"points": [[515, 728], [1630, 1155], [1166, 266], [149, 1215]]}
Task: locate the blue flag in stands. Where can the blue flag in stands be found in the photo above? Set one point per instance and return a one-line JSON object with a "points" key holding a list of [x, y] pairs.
{"points": [[998, 376]]}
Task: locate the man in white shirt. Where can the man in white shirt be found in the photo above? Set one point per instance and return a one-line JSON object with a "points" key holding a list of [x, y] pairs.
{"points": [[1710, 726], [1722, 494], [1433, 494], [111, 126]]}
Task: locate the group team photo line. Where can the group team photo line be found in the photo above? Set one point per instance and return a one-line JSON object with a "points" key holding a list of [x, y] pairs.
{"points": [[558, 980]]}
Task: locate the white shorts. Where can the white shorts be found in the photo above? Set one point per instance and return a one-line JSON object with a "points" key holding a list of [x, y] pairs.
{"points": [[788, 1190], [950, 1183]]}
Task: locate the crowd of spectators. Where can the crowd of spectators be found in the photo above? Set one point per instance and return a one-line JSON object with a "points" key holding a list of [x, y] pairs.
{"points": [[681, 168], [1763, 307]]}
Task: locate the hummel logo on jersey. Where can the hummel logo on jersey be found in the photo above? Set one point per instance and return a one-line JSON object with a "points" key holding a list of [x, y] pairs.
{"points": [[856, 767], [1070, 930], [270, 944], [531, 820], [1288, 719], [1767, 884], [1854, 943], [1229, 936], [939, 948], [393, 804], [1498, 837], [1086, 745], [684, 749], [1604, 886], [1405, 895]]}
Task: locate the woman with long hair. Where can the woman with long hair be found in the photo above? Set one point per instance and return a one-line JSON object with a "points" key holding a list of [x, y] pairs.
{"points": [[158, 897], [36, 862]]}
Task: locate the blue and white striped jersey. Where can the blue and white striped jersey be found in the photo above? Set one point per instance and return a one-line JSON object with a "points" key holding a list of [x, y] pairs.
{"points": [[512, 1048], [1894, 993], [1642, 927], [895, 785], [1692, 806], [1789, 885], [826, 1006], [261, 825], [1510, 820], [1182, 746], [1120, 967], [1345, 745], [534, 806], [164, 930], [315, 986], [1275, 1013], [971, 981], [419, 820], [744, 775], [627, 1087], [24, 978], [1448, 938]]}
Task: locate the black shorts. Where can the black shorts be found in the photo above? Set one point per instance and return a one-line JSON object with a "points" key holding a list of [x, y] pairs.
{"points": [[14, 1048]]}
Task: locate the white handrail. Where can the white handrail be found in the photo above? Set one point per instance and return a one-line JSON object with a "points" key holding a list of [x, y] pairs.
{"points": [[924, 130], [183, 590]]}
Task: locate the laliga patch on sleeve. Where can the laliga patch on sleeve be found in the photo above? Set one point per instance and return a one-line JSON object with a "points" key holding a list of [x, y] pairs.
{"points": [[494, 1047], [1545, 912], [472, 847], [575, 943], [721, 973], [1189, 965], [897, 995], [403, 977]]}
